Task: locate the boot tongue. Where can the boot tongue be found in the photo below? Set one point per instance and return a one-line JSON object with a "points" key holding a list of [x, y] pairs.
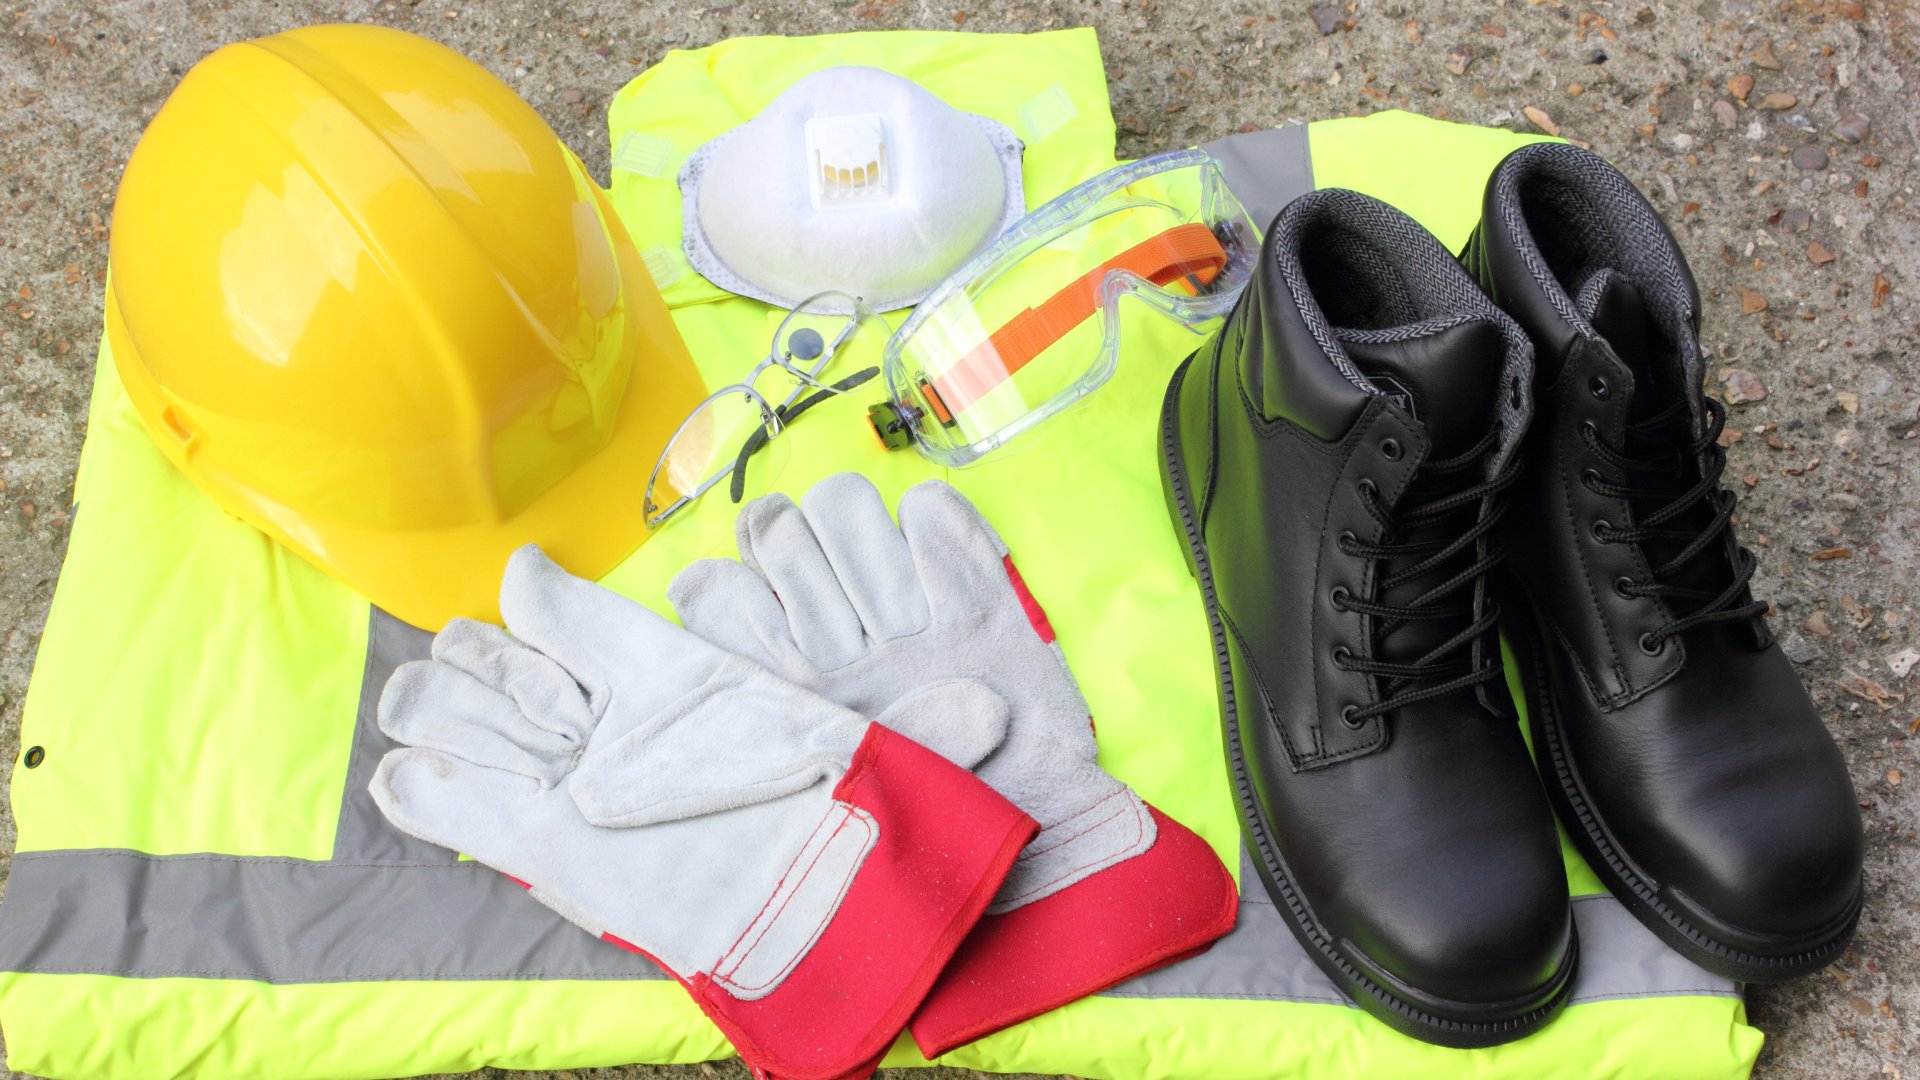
{"points": [[1618, 312], [1448, 379]]}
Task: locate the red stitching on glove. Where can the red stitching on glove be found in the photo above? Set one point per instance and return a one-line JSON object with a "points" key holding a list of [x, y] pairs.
{"points": [[1036, 615], [1071, 871], [723, 972]]}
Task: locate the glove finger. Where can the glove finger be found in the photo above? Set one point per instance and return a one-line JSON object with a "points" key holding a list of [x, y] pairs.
{"points": [[962, 720], [547, 696], [868, 555], [776, 540], [732, 608], [438, 706], [457, 804], [604, 640], [961, 560]]}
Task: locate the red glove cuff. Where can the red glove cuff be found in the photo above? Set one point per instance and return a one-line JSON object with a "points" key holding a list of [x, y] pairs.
{"points": [[1153, 909], [946, 841]]}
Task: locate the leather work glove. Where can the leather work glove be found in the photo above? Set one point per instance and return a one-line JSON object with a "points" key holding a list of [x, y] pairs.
{"points": [[839, 600], [804, 872]]}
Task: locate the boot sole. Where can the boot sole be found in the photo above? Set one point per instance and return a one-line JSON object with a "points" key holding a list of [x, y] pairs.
{"points": [[1469, 1026], [1736, 960]]}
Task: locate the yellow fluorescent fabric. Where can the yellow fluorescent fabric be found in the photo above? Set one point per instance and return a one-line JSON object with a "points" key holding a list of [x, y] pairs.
{"points": [[1669, 1038], [229, 1028], [196, 685], [396, 1028]]}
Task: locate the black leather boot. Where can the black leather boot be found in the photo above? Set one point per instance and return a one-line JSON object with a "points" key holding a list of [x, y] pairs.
{"points": [[1336, 457], [1678, 744]]}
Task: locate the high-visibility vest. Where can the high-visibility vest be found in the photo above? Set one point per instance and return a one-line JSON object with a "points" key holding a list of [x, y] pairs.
{"points": [[203, 886]]}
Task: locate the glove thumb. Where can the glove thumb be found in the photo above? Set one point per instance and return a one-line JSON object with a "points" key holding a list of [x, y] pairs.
{"points": [[959, 719]]}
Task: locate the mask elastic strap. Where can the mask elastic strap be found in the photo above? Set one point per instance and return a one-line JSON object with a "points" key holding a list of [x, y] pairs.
{"points": [[1186, 254]]}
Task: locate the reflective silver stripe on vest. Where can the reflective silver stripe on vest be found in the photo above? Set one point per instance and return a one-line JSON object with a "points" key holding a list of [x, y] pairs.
{"points": [[271, 920], [290, 921], [1619, 958], [363, 834], [388, 907], [1266, 169]]}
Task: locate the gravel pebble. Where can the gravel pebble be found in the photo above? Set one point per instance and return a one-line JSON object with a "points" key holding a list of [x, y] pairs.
{"points": [[1853, 128], [1800, 650], [1742, 387], [1810, 158]]}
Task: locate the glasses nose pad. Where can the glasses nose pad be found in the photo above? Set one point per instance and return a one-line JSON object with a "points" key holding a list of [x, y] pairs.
{"points": [[825, 338]]}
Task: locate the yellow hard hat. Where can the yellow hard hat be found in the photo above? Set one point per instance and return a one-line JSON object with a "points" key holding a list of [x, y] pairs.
{"points": [[365, 298]]}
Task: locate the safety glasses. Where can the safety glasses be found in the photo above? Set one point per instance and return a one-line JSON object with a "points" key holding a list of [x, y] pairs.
{"points": [[1012, 338], [828, 345]]}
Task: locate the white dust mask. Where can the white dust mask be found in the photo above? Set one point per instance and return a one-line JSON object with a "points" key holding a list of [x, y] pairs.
{"points": [[854, 179]]}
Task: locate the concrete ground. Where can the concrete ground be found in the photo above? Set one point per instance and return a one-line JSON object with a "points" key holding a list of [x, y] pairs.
{"points": [[1778, 136]]}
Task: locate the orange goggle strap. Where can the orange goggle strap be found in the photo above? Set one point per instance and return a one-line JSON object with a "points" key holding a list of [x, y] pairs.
{"points": [[1189, 253]]}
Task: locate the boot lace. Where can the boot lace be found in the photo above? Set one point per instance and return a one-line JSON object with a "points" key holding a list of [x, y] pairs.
{"points": [[1434, 497], [1661, 454]]}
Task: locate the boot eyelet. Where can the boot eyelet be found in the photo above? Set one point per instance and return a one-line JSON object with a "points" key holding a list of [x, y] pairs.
{"points": [[1650, 647], [1342, 656], [1390, 449], [1623, 587], [1590, 479], [1347, 718], [1598, 388], [1369, 490], [1589, 429], [1337, 596], [1601, 530]]}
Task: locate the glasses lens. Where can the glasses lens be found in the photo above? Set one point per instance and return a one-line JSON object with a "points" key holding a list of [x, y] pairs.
{"points": [[827, 338], [1037, 330], [702, 455]]}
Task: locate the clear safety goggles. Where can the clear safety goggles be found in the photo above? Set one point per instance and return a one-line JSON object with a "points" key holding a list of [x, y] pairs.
{"points": [[830, 344], [1012, 338]]}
